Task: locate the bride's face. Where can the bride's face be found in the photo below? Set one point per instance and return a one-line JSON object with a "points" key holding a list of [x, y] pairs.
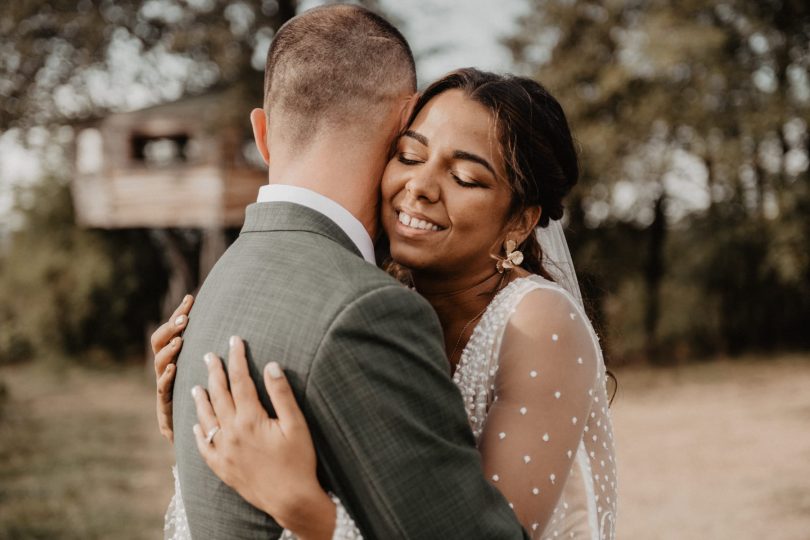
{"points": [[445, 194]]}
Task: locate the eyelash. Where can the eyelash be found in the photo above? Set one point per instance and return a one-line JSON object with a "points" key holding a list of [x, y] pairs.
{"points": [[405, 161], [464, 183]]}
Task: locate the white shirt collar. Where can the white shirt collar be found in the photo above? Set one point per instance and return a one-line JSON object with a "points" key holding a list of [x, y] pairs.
{"points": [[326, 206]]}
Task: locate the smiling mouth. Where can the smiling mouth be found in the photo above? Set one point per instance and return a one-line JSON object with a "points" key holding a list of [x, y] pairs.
{"points": [[416, 223]]}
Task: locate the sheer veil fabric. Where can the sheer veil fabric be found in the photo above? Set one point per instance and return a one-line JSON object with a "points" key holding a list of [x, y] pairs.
{"points": [[541, 421], [557, 258], [559, 263]]}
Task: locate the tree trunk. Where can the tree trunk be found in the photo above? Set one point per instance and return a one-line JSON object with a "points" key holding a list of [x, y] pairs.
{"points": [[212, 245], [182, 277], [708, 160], [286, 10], [653, 274]]}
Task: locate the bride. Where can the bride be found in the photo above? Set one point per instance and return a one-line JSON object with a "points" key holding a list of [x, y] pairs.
{"points": [[471, 202]]}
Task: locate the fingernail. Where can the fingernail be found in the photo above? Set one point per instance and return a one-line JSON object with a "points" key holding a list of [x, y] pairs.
{"points": [[232, 341], [209, 357], [197, 429], [274, 370], [175, 342], [195, 391], [170, 367], [180, 320], [186, 299]]}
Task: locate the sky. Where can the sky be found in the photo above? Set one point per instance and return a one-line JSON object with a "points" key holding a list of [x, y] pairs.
{"points": [[466, 33]]}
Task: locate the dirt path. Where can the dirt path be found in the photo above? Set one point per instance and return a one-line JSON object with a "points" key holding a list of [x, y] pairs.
{"points": [[80, 456], [715, 451]]}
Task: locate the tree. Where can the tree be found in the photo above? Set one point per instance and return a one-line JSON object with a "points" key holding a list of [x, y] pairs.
{"points": [[59, 56], [691, 117], [71, 292]]}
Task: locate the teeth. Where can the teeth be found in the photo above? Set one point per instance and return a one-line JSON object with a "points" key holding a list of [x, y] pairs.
{"points": [[417, 223]]}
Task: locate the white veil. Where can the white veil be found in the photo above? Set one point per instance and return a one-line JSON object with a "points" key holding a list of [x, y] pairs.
{"points": [[557, 261], [557, 258]]}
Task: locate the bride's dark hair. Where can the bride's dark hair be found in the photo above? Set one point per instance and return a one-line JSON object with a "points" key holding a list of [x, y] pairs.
{"points": [[535, 143]]}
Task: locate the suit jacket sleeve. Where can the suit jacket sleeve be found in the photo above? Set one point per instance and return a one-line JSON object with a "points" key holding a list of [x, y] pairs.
{"points": [[393, 438]]}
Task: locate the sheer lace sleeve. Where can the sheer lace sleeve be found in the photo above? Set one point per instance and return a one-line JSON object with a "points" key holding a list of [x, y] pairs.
{"points": [[175, 525], [345, 528], [548, 364]]}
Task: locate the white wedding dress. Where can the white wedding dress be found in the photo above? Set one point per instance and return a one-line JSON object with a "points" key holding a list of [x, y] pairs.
{"points": [[542, 424]]}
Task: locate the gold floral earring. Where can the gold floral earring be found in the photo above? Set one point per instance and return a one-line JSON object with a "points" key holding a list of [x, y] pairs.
{"points": [[513, 257]]}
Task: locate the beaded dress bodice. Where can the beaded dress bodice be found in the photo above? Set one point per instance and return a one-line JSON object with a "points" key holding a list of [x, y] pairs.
{"points": [[543, 425]]}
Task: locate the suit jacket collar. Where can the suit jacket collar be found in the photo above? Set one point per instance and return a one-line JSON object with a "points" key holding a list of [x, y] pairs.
{"points": [[286, 216], [326, 206]]}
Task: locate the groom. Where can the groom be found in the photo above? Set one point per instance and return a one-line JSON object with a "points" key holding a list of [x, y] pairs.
{"points": [[363, 354]]}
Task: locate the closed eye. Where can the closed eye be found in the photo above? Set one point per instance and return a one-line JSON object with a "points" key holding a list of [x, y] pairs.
{"points": [[465, 183], [406, 159]]}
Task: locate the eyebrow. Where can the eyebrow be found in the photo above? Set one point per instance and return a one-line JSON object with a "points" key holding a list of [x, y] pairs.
{"points": [[458, 154], [461, 154], [418, 136]]}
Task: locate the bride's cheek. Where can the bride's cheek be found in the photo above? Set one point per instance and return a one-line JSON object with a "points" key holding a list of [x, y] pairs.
{"points": [[391, 194]]}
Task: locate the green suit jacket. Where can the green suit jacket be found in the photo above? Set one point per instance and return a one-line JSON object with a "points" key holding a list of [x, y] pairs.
{"points": [[365, 359]]}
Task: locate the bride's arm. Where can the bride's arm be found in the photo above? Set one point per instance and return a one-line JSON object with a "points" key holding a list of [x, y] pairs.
{"points": [[548, 365]]}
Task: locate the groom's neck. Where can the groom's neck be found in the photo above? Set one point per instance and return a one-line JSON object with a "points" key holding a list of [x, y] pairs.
{"points": [[349, 175]]}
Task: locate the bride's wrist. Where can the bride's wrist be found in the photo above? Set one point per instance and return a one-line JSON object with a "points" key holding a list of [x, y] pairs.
{"points": [[310, 515]]}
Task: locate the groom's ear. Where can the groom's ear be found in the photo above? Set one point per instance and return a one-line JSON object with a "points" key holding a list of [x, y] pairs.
{"points": [[258, 119], [407, 110]]}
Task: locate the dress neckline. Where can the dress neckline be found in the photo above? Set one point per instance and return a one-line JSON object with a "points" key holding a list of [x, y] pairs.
{"points": [[475, 337], [500, 298]]}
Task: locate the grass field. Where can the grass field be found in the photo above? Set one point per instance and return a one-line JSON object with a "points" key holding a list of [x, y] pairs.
{"points": [[80, 456], [714, 451]]}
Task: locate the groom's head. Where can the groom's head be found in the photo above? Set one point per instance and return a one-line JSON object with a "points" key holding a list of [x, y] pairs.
{"points": [[336, 69]]}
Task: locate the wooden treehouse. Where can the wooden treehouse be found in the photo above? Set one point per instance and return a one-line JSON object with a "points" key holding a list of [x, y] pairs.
{"points": [[185, 170]]}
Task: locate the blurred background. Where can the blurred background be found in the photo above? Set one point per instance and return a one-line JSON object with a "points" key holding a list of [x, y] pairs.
{"points": [[126, 162]]}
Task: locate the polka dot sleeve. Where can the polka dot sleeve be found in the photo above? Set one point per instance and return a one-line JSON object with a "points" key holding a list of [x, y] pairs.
{"points": [[542, 399]]}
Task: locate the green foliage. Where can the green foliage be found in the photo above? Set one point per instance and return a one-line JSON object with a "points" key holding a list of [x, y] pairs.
{"points": [[648, 87], [75, 292], [53, 52]]}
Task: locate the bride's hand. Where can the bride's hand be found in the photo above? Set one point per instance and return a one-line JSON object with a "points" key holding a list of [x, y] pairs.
{"points": [[166, 343], [270, 462]]}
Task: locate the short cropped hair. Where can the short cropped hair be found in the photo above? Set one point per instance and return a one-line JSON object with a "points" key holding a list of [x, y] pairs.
{"points": [[335, 65]]}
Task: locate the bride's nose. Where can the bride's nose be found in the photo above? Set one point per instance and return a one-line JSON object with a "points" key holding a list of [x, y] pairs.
{"points": [[422, 186]]}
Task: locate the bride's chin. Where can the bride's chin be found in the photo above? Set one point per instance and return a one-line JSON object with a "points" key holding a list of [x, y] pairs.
{"points": [[410, 258]]}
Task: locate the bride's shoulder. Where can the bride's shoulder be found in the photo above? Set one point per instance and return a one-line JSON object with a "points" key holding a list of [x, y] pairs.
{"points": [[548, 325], [542, 298], [547, 312]]}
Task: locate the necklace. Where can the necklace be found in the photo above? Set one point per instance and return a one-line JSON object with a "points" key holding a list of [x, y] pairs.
{"points": [[464, 328]]}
